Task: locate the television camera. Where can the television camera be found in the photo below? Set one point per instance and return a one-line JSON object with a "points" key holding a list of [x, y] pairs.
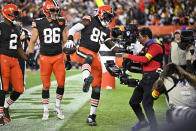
{"points": [[126, 40], [187, 39]]}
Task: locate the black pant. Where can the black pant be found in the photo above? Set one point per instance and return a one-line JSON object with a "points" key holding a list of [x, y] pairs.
{"points": [[142, 93]]}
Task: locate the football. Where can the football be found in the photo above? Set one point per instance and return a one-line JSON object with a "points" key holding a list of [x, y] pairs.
{"points": [[70, 50]]}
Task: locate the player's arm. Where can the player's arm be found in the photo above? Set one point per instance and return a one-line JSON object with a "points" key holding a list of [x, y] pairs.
{"points": [[33, 40], [21, 51], [112, 46], [64, 35], [78, 27]]}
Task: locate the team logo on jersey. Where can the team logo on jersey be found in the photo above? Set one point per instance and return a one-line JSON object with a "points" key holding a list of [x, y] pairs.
{"points": [[183, 84], [12, 30], [51, 24]]}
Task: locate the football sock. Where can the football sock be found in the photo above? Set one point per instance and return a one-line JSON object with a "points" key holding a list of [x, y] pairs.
{"points": [[13, 97], [59, 95], [1, 111], [86, 69], [8, 102], [2, 98], [45, 99], [45, 107], [94, 104], [95, 96]]}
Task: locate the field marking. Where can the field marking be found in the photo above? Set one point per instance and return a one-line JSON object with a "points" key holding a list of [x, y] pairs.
{"points": [[28, 109]]}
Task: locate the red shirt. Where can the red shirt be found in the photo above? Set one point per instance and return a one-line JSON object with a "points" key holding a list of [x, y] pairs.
{"points": [[148, 63]]}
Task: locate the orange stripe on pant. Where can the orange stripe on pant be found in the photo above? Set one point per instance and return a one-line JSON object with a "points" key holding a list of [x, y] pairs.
{"points": [[55, 64], [11, 72]]}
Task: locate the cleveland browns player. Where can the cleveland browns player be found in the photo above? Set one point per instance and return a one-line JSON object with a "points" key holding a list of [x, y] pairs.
{"points": [[52, 34], [10, 49], [94, 31]]}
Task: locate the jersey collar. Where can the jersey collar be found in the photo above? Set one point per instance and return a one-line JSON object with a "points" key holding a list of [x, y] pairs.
{"points": [[150, 42]]}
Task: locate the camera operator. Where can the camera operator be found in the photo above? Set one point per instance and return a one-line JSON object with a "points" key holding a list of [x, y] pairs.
{"points": [[182, 50], [177, 55], [179, 87], [151, 61]]}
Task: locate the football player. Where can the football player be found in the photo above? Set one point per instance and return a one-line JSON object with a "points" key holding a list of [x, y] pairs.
{"points": [[10, 48], [52, 34], [94, 32]]}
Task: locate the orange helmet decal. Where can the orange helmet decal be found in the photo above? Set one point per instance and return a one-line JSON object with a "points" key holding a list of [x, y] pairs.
{"points": [[10, 12]]}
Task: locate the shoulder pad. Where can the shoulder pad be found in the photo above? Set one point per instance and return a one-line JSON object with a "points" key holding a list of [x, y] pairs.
{"points": [[87, 17], [34, 23]]}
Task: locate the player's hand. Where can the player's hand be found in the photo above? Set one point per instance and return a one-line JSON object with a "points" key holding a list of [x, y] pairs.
{"points": [[69, 44], [68, 65], [30, 61], [125, 55]]}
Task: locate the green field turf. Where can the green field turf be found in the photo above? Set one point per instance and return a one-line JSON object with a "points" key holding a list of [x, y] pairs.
{"points": [[113, 114]]}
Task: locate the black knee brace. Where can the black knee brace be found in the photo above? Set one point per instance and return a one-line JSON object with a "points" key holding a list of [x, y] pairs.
{"points": [[60, 90], [96, 92], [2, 97], [45, 94], [89, 59], [14, 96]]}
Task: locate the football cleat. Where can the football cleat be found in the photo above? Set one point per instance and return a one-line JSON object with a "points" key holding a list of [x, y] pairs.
{"points": [[87, 82], [91, 120], [59, 113], [45, 115], [6, 114], [140, 125], [2, 123]]}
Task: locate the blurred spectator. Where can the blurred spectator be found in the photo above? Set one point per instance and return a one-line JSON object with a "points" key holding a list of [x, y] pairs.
{"points": [[142, 12], [177, 55], [167, 44]]}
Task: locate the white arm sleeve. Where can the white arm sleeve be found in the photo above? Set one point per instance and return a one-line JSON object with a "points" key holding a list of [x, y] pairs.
{"points": [[76, 28]]}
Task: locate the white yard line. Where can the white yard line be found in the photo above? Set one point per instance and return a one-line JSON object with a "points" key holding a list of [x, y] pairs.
{"points": [[28, 109]]}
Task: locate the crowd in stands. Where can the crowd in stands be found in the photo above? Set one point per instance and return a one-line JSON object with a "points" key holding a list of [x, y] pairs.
{"points": [[142, 12]]}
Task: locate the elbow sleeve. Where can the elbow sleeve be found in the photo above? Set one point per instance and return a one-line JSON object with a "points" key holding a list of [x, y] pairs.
{"points": [[76, 28]]}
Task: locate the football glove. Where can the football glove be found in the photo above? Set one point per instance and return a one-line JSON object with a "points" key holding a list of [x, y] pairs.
{"points": [[69, 44], [30, 61], [68, 65]]}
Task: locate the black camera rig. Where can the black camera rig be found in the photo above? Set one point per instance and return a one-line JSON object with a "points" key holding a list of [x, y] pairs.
{"points": [[187, 39], [128, 37], [121, 74]]}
